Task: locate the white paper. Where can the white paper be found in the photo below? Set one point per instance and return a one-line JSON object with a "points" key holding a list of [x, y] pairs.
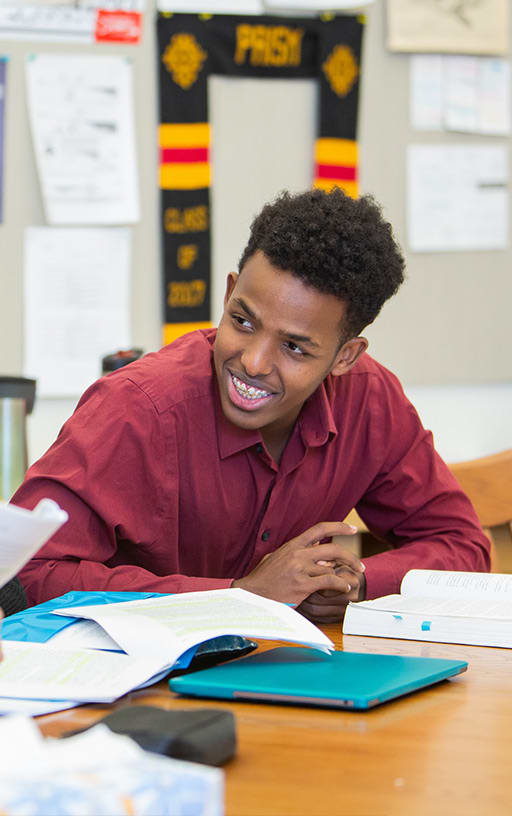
{"points": [[99, 772], [83, 634], [81, 115], [23, 532], [457, 197], [40, 672], [494, 97], [77, 304], [33, 708], [465, 94], [426, 91], [165, 627], [50, 23]]}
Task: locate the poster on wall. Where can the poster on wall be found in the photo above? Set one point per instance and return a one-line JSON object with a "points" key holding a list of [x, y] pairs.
{"points": [[3, 86], [78, 21], [448, 26], [191, 48], [82, 122]]}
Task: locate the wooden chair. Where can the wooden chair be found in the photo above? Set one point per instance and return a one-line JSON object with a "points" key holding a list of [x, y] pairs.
{"points": [[488, 483]]}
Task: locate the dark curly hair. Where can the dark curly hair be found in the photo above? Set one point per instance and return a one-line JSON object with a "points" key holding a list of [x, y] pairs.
{"points": [[336, 244]]}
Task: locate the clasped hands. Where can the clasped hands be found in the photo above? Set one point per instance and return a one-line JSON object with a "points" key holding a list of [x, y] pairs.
{"points": [[320, 579]]}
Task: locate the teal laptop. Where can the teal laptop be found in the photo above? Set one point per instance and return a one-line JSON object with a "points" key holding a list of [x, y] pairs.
{"points": [[288, 674]]}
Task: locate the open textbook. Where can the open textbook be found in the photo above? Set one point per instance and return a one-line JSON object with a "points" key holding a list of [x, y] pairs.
{"points": [[474, 608], [23, 532], [166, 626], [154, 633]]}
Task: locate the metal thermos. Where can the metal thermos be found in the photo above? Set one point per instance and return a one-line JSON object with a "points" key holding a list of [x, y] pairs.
{"points": [[17, 396], [119, 359]]}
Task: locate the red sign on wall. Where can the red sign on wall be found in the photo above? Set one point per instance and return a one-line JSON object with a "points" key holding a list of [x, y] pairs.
{"points": [[118, 26]]}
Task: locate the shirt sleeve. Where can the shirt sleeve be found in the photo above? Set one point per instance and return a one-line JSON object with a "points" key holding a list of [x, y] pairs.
{"points": [[107, 470], [415, 503]]}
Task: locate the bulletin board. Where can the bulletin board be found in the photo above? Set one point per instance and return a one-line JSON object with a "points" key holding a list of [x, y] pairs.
{"points": [[450, 321]]}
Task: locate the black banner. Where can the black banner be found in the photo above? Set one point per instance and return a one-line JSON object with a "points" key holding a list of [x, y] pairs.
{"points": [[191, 47]]}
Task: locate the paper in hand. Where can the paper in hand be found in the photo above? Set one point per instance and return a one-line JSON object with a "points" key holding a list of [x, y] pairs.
{"points": [[23, 532]]}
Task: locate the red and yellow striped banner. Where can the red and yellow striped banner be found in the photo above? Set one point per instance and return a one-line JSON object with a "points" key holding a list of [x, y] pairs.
{"points": [[336, 165], [184, 156]]}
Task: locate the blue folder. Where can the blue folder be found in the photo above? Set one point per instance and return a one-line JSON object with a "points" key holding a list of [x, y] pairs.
{"points": [[288, 674]]}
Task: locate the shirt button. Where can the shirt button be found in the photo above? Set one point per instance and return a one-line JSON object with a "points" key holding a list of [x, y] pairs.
{"points": [[265, 536], [259, 448]]}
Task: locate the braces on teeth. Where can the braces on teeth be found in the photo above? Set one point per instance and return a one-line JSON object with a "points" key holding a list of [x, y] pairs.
{"points": [[248, 391]]}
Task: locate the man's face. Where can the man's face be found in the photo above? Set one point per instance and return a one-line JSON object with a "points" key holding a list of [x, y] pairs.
{"points": [[277, 340]]}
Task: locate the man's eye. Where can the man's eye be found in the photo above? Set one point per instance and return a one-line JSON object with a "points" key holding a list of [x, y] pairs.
{"points": [[242, 321], [295, 349]]}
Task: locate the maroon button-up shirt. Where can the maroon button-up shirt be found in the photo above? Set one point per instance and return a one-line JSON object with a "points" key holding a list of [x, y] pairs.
{"points": [[164, 494]]}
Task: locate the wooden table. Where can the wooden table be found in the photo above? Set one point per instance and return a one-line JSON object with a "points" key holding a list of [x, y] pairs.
{"points": [[446, 750]]}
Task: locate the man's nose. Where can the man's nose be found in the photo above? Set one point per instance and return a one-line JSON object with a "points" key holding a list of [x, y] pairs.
{"points": [[257, 358]]}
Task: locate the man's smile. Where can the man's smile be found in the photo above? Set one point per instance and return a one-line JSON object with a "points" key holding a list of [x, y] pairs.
{"points": [[246, 396]]}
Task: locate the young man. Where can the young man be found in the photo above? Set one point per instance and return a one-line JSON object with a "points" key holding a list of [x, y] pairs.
{"points": [[231, 457]]}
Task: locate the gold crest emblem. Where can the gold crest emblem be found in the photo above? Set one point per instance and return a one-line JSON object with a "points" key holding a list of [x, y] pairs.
{"points": [[341, 69], [184, 59]]}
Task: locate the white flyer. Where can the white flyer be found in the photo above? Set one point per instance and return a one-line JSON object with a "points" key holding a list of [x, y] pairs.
{"points": [[77, 304], [82, 120]]}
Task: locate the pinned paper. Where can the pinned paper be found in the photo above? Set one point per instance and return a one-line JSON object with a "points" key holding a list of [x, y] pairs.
{"points": [[82, 120]]}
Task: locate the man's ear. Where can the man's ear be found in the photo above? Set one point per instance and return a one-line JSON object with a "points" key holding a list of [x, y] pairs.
{"points": [[348, 355], [230, 285]]}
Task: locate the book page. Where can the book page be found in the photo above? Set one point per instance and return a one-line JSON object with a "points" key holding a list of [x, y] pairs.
{"points": [[482, 608], [447, 584], [39, 672], [34, 708], [83, 634], [166, 626]]}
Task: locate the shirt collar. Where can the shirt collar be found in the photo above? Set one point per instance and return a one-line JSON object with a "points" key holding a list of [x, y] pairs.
{"points": [[316, 420], [316, 425]]}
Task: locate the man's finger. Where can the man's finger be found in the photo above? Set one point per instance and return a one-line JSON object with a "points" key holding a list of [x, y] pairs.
{"points": [[322, 613], [329, 580], [333, 551], [328, 597], [324, 529]]}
